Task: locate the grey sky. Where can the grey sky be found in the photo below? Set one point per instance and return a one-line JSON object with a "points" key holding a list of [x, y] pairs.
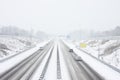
{"points": [[60, 16]]}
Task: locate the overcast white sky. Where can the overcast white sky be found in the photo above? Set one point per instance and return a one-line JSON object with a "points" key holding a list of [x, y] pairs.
{"points": [[60, 16]]}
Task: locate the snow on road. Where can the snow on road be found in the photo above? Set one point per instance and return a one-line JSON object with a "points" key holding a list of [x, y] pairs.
{"points": [[64, 70], [105, 71], [51, 73], [9, 63], [39, 70]]}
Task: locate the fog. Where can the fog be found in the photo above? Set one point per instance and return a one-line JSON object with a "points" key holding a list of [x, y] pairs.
{"points": [[60, 16]]}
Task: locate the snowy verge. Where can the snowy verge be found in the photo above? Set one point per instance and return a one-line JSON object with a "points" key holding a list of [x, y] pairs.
{"points": [[105, 50], [105, 71], [6, 65], [13, 45]]}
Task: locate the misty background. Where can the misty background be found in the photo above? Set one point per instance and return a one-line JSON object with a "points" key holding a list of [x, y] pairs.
{"points": [[60, 17]]}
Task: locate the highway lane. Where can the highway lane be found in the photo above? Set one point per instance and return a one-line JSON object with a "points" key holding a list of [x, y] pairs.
{"points": [[51, 57], [78, 70], [46, 66], [50, 68], [24, 68]]}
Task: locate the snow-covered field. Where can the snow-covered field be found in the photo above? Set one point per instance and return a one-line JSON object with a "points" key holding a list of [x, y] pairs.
{"points": [[105, 50], [11, 45]]}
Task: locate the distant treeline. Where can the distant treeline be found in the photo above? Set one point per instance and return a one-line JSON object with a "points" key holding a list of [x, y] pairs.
{"points": [[114, 32], [15, 31], [81, 34]]}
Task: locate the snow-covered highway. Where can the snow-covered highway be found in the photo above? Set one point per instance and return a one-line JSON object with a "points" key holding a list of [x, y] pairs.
{"points": [[56, 61]]}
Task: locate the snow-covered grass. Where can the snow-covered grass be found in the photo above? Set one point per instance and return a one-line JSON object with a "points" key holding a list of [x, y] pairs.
{"points": [[9, 63], [105, 50], [11, 45], [104, 70]]}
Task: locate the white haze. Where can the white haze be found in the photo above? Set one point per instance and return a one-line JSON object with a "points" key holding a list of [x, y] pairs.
{"points": [[60, 16]]}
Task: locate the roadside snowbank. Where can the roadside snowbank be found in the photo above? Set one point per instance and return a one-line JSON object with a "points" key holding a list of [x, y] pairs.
{"points": [[9, 63], [105, 71], [13, 45], [105, 50]]}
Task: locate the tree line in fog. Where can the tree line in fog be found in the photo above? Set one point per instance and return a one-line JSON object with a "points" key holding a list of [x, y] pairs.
{"points": [[82, 34], [15, 31]]}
